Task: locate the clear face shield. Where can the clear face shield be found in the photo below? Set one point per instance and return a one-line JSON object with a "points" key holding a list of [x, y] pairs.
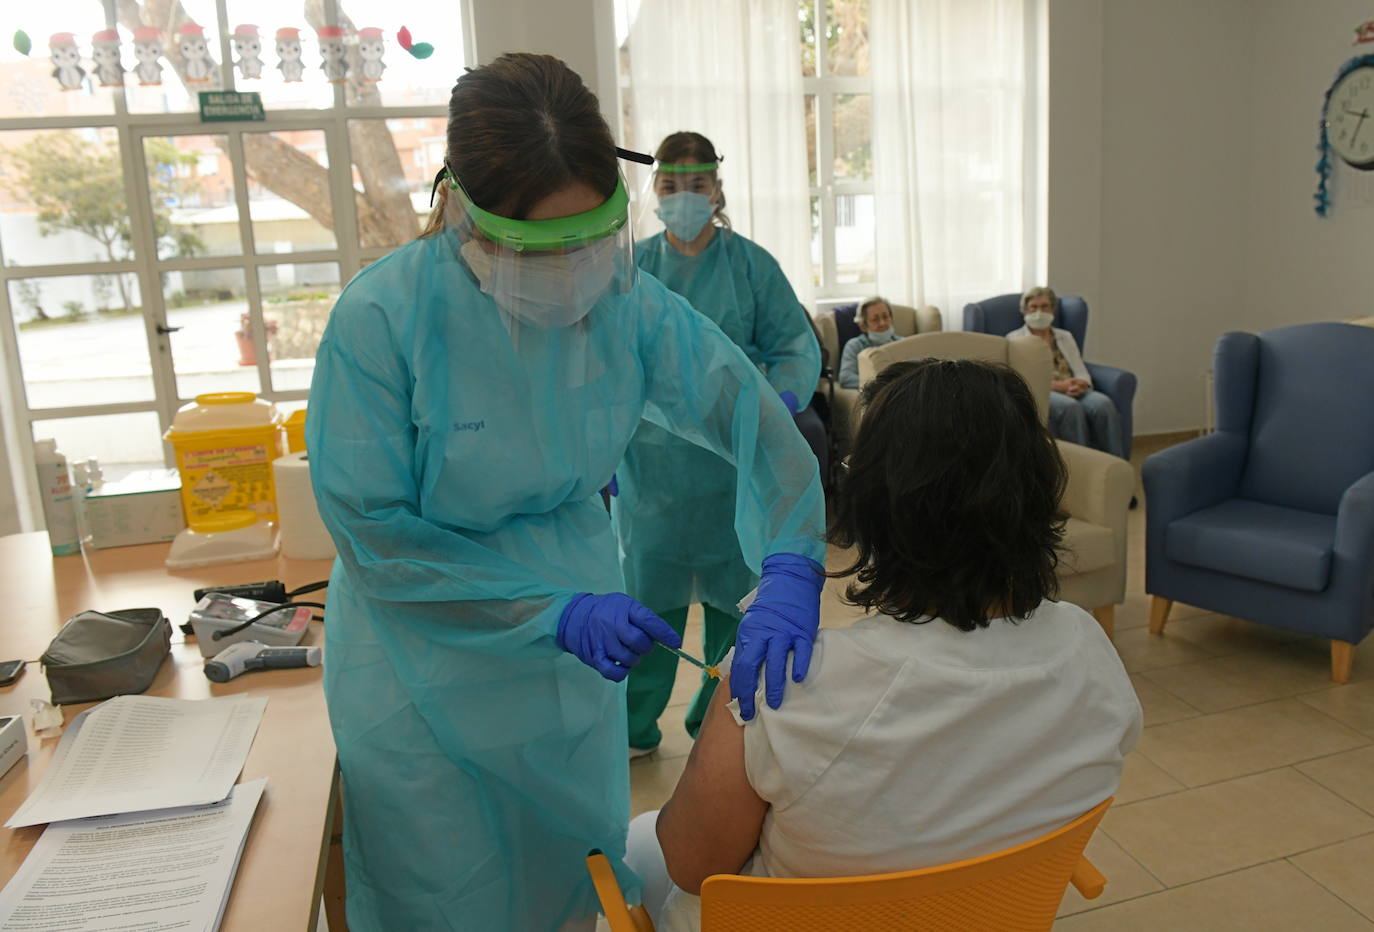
{"points": [[545, 273], [683, 195]]}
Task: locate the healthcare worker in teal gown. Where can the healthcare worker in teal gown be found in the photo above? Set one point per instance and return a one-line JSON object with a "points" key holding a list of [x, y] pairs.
{"points": [[675, 508], [473, 392]]}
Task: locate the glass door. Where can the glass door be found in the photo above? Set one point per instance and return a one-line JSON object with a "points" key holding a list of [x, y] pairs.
{"points": [[147, 257], [248, 263]]}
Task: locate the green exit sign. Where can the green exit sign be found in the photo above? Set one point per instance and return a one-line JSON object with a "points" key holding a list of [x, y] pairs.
{"points": [[230, 106]]}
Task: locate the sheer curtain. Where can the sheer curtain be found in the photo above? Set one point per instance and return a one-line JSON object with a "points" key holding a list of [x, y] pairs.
{"points": [[730, 70], [951, 88]]}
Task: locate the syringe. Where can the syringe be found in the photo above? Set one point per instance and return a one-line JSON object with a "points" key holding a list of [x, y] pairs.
{"points": [[711, 670]]}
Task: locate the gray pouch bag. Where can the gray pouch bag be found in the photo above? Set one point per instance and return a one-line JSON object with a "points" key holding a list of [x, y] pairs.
{"points": [[97, 655]]}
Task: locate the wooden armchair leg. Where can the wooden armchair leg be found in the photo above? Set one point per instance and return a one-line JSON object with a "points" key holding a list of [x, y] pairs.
{"points": [[1106, 617], [1088, 880], [1159, 613], [1342, 659]]}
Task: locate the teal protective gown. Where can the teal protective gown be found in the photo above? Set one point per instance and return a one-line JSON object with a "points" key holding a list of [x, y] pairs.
{"points": [[457, 466], [676, 513]]}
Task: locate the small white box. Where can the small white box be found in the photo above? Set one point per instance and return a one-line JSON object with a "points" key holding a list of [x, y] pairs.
{"points": [[142, 508], [14, 741]]}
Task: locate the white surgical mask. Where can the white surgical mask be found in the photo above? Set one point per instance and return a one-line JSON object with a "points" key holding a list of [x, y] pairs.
{"points": [[882, 336], [547, 291], [1039, 320]]}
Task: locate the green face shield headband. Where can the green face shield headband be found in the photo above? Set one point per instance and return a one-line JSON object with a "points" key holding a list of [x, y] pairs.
{"points": [[675, 168], [547, 235]]}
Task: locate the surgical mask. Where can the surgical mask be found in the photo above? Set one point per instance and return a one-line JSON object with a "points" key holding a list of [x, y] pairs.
{"points": [[685, 213], [1039, 320], [882, 336], [546, 291]]}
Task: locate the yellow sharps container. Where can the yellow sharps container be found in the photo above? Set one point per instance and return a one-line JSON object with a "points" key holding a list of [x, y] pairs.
{"points": [[225, 443], [295, 432]]}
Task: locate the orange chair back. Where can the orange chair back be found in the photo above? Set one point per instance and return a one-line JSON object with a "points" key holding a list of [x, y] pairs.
{"points": [[1016, 889]]}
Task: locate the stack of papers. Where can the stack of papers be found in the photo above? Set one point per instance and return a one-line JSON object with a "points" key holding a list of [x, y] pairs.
{"points": [[147, 825], [148, 871]]}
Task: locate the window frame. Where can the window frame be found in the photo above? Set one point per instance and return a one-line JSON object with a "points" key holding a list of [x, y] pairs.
{"points": [[132, 129], [825, 87]]}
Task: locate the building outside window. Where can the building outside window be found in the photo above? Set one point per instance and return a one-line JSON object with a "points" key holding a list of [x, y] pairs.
{"points": [[147, 257]]}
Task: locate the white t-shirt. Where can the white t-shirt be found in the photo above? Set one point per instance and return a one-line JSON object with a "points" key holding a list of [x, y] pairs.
{"points": [[912, 745]]}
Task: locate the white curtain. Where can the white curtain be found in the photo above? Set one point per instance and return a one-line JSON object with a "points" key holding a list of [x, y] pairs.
{"points": [[730, 70], [950, 148]]}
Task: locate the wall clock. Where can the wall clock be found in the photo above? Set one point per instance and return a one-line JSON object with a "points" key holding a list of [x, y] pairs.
{"points": [[1349, 117], [1347, 126]]}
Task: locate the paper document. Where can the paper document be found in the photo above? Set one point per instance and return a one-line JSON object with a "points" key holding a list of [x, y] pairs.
{"points": [[158, 872], [136, 753]]}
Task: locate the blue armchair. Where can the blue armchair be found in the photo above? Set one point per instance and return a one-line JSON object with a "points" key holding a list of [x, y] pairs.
{"points": [[1271, 518], [1001, 315]]}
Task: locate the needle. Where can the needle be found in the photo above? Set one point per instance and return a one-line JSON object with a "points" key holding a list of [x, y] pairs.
{"points": [[711, 671]]}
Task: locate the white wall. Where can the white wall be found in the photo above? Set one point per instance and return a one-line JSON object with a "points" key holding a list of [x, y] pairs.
{"points": [[1301, 267], [1149, 175], [581, 32], [1181, 173]]}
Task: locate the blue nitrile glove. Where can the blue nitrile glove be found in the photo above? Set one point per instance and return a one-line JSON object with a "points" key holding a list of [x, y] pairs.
{"points": [[785, 615], [612, 488], [793, 405], [609, 633]]}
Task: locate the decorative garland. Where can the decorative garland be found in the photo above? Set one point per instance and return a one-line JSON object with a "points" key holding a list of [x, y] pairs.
{"points": [[150, 45], [1324, 164]]}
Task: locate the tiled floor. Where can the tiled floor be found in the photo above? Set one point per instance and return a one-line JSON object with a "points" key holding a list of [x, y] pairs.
{"points": [[1249, 802]]}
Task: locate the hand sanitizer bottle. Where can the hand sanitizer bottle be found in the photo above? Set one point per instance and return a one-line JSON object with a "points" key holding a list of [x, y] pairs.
{"points": [[59, 510]]}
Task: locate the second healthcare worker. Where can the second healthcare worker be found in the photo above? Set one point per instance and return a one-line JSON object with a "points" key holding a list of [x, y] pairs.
{"points": [[676, 512], [473, 392]]}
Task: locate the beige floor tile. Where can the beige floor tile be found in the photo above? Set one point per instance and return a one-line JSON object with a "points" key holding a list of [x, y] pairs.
{"points": [[1347, 775], [1223, 827], [1141, 651], [1223, 635], [1142, 778], [652, 781], [676, 742], [1134, 612], [836, 558], [1364, 656], [1126, 879], [1274, 672], [688, 681], [835, 613], [1274, 897], [1344, 870], [1159, 705], [1351, 705], [1231, 744]]}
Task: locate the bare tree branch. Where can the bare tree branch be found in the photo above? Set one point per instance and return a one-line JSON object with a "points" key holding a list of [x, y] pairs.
{"points": [[374, 151], [385, 214]]}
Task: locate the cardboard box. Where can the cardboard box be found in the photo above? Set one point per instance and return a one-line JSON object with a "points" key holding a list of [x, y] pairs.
{"points": [[14, 741], [142, 508]]}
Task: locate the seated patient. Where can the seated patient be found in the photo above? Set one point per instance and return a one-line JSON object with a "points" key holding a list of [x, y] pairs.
{"points": [[1078, 413], [874, 318], [971, 712]]}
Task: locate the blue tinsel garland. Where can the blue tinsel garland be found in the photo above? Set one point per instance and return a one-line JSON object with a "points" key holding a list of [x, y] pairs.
{"points": [[1323, 196]]}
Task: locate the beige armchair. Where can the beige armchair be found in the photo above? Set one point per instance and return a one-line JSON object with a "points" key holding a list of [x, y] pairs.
{"points": [[1092, 566], [906, 321]]}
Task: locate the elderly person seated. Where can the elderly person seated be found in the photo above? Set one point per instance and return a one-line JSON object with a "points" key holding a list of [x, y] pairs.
{"points": [[874, 318], [970, 713], [1078, 414]]}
